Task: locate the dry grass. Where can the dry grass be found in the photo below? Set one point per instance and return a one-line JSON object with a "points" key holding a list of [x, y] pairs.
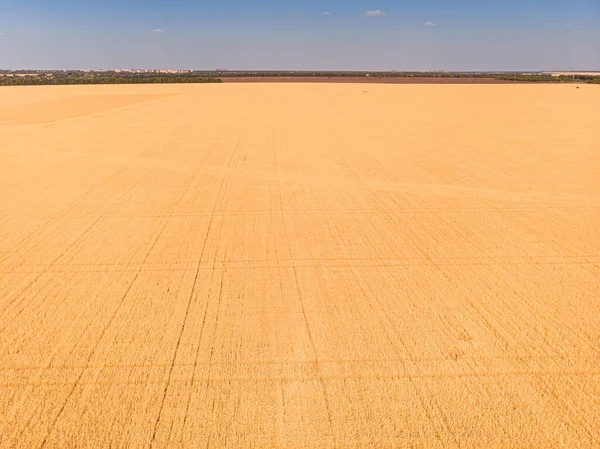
{"points": [[300, 266]]}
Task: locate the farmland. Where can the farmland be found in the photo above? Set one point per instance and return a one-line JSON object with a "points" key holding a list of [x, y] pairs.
{"points": [[300, 266]]}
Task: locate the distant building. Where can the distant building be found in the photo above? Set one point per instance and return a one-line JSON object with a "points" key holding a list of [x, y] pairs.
{"points": [[572, 73]]}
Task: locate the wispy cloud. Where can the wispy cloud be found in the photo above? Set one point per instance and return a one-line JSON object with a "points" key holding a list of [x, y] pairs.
{"points": [[326, 13], [1, 33], [375, 13], [430, 24], [157, 30]]}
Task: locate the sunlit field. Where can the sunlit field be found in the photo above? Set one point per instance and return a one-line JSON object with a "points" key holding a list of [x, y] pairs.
{"points": [[300, 266]]}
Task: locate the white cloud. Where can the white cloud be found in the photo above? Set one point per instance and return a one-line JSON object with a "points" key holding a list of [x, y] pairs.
{"points": [[375, 13], [1, 34], [430, 24], [157, 30], [325, 13]]}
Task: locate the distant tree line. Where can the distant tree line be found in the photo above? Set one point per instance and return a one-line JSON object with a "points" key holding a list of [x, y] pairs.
{"points": [[68, 78], [516, 77], [542, 78], [30, 77]]}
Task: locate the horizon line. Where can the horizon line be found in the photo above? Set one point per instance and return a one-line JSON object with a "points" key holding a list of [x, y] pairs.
{"points": [[304, 70]]}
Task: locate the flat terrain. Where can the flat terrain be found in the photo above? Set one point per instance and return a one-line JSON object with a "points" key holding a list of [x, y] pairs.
{"points": [[300, 266]]}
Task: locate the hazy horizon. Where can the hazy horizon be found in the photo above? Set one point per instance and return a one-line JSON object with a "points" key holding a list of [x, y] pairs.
{"points": [[327, 35], [234, 70]]}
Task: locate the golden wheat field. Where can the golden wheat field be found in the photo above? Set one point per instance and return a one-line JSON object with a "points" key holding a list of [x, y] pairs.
{"points": [[300, 266]]}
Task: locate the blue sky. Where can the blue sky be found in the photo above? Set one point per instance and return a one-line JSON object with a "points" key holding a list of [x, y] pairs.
{"points": [[269, 34]]}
